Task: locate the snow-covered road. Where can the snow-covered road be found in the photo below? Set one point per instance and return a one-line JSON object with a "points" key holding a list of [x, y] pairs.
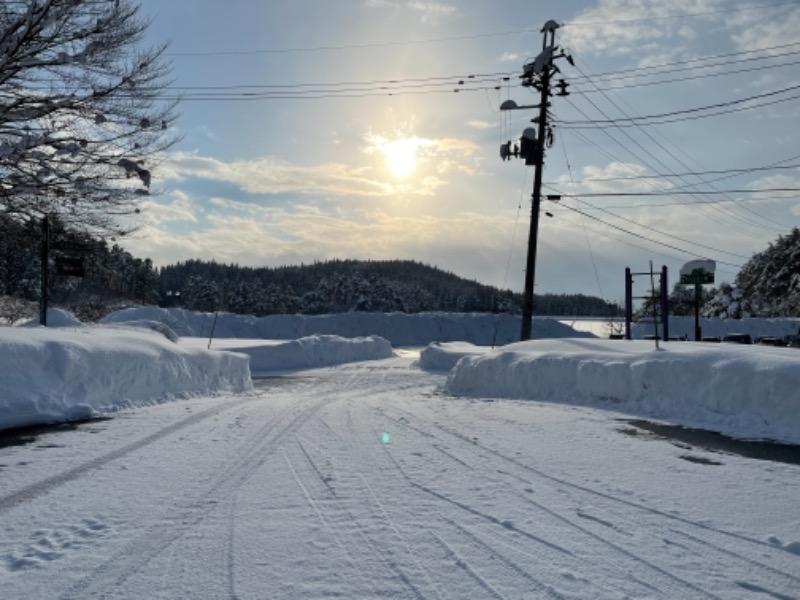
{"points": [[362, 481]]}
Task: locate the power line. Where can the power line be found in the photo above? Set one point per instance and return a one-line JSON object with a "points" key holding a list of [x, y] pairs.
{"points": [[742, 171], [671, 204], [458, 38], [634, 234], [636, 72], [693, 186], [620, 122], [318, 88], [679, 193], [699, 206], [697, 76], [658, 231]]}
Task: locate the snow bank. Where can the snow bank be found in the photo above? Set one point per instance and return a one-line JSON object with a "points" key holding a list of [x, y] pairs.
{"points": [[399, 328], [60, 374], [311, 352], [745, 391], [443, 357]]}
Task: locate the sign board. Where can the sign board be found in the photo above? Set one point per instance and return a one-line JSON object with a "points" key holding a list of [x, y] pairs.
{"points": [[69, 267], [697, 277], [698, 272], [71, 246]]}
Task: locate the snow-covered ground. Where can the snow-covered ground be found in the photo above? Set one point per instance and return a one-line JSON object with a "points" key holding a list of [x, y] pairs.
{"points": [[364, 481], [398, 328], [406, 476], [137, 357]]}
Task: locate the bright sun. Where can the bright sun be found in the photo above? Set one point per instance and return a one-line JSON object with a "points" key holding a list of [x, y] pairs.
{"points": [[401, 156]]}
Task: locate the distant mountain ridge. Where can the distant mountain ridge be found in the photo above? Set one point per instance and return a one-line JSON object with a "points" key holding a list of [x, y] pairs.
{"points": [[337, 286]]}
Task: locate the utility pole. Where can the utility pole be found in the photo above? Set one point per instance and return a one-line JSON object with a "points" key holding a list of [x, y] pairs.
{"points": [[537, 74]]}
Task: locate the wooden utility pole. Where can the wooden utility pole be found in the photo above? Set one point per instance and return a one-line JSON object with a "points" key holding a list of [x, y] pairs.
{"points": [[537, 74], [533, 233]]}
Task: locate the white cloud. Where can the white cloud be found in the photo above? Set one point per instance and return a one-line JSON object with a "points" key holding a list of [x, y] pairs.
{"points": [[613, 177], [429, 11], [270, 176], [178, 207], [758, 29], [260, 235], [622, 26], [480, 124], [432, 10]]}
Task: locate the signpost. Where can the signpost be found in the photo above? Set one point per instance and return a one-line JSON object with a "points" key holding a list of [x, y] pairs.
{"points": [[69, 267], [698, 273], [65, 266]]}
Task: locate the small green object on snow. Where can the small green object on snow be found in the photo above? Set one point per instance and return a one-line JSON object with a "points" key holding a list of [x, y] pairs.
{"points": [[386, 438]]}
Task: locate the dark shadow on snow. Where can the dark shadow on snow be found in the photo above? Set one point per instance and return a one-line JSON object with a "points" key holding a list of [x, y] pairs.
{"points": [[20, 436]]}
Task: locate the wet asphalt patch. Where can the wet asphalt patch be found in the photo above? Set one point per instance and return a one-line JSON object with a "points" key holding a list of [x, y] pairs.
{"points": [[688, 438]]}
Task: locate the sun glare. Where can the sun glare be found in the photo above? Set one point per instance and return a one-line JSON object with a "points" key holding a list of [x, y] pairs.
{"points": [[401, 156]]}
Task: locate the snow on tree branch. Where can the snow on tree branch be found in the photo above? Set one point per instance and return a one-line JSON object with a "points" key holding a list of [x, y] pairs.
{"points": [[83, 118]]}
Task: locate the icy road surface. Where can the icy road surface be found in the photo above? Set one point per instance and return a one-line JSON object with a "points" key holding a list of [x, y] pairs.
{"points": [[361, 481]]}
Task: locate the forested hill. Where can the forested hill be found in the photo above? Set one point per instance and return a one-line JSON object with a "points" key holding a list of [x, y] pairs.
{"points": [[345, 285], [113, 278]]}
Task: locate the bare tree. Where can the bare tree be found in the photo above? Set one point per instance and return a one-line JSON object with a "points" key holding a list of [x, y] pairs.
{"points": [[83, 112]]}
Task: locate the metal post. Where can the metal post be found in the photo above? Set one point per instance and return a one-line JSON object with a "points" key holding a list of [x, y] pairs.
{"points": [[698, 294], [655, 306], [628, 302], [664, 303], [45, 263]]}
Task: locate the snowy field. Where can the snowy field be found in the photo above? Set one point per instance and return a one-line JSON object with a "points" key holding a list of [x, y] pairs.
{"points": [[398, 328], [460, 471]]}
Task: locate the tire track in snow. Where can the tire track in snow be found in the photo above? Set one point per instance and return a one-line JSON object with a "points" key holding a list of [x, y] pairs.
{"points": [[624, 503], [334, 533], [438, 500], [702, 546], [793, 581], [464, 565], [473, 446], [178, 521], [475, 540], [654, 513], [230, 550], [334, 503], [504, 526], [49, 484]]}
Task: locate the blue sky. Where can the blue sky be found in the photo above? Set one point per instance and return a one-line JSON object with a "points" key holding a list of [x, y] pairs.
{"points": [[315, 130]]}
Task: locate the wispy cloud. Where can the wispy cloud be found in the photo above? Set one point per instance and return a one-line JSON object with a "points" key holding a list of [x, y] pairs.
{"points": [[752, 30], [261, 235], [270, 176], [428, 11], [610, 178], [177, 206], [432, 10], [480, 124], [624, 27]]}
